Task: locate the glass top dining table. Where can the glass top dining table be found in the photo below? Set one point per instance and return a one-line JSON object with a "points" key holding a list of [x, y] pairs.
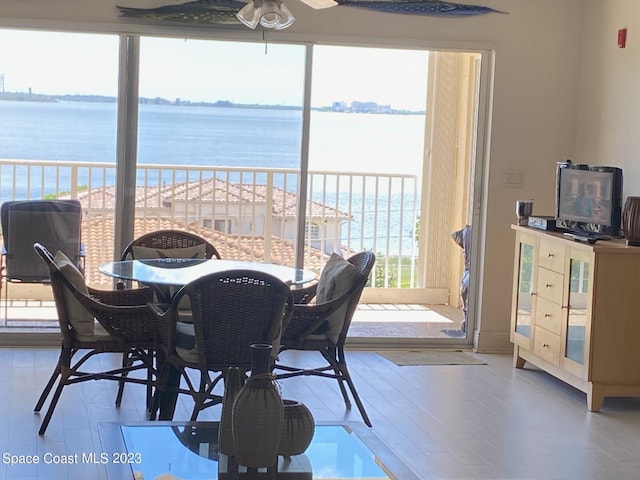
{"points": [[181, 271]]}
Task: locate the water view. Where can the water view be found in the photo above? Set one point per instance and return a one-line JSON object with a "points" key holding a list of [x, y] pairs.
{"points": [[86, 132], [226, 137]]}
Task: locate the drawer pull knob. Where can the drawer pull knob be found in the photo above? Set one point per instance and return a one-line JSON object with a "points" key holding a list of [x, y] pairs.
{"points": [[545, 345], [548, 285], [550, 255], [547, 315]]}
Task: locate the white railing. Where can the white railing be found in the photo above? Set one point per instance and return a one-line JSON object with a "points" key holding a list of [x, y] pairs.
{"points": [[235, 207]]}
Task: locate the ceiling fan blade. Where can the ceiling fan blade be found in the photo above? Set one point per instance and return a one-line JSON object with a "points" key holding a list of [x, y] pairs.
{"points": [[319, 4]]}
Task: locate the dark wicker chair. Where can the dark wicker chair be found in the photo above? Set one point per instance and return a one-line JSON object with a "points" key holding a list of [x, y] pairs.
{"points": [[161, 243], [231, 310], [121, 322], [170, 239], [307, 330]]}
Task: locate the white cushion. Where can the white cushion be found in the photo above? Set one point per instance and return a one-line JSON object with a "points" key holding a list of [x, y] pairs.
{"points": [[80, 319], [336, 279]]}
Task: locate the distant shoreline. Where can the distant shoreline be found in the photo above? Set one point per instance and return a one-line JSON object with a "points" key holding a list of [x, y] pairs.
{"points": [[40, 98]]}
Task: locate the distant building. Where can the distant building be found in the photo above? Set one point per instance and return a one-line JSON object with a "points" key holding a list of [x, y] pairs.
{"points": [[339, 106], [369, 107]]}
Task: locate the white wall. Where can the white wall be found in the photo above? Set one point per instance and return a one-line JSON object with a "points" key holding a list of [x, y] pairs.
{"points": [[609, 109], [537, 63]]}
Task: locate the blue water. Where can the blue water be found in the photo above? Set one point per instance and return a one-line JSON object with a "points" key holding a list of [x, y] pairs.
{"points": [[226, 137]]}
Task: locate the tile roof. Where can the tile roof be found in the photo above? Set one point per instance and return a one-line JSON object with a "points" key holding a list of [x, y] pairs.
{"points": [[98, 234], [284, 203], [98, 221]]}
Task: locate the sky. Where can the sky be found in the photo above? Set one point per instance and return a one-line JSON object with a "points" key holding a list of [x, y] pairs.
{"points": [[199, 70]]}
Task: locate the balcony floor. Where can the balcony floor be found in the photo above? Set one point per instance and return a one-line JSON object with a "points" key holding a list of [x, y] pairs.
{"points": [[404, 321], [370, 320]]}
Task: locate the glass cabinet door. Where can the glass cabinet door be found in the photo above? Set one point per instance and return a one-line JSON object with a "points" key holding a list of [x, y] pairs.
{"points": [[523, 312], [577, 310]]}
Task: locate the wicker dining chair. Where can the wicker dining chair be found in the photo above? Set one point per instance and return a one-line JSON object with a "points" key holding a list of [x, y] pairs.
{"points": [[323, 326], [165, 242], [168, 244], [231, 310], [94, 322]]}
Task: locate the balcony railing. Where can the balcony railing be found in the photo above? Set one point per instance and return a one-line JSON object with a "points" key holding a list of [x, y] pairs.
{"points": [[248, 213]]}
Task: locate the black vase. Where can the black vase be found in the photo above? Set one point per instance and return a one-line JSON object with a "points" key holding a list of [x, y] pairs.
{"points": [[631, 221]]}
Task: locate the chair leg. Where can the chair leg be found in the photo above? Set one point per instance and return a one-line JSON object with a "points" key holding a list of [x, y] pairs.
{"points": [[339, 364], [150, 359], [347, 378], [126, 362], [331, 356], [200, 396], [52, 406], [64, 372], [47, 389], [6, 300]]}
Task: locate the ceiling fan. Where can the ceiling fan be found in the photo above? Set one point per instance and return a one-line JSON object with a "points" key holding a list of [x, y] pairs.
{"points": [[275, 14]]}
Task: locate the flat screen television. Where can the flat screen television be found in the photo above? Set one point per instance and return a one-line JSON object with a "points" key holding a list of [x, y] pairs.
{"points": [[588, 199]]}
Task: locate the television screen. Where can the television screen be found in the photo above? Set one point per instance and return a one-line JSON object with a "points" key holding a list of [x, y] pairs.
{"points": [[586, 196], [589, 199]]}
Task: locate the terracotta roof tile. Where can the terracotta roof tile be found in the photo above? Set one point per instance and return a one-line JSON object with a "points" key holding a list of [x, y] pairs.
{"points": [[98, 234], [208, 190]]}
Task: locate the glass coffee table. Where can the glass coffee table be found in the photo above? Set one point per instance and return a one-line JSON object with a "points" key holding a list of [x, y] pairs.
{"points": [[189, 451]]}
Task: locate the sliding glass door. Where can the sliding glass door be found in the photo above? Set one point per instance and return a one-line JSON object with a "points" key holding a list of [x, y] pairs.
{"points": [[58, 94], [279, 153]]}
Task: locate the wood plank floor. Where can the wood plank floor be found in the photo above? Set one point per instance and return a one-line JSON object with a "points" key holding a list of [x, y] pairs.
{"points": [[447, 422]]}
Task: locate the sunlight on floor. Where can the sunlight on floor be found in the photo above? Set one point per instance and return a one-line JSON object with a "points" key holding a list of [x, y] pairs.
{"points": [[402, 313]]}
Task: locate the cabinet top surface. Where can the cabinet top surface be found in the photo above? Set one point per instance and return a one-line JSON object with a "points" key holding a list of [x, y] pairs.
{"points": [[610, 246]]}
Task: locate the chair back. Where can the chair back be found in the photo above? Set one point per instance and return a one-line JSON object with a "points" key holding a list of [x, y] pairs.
{"points": [[122, 316], [54, 223], [169, 240], [233, 310], [58, 286], [363, 263]]}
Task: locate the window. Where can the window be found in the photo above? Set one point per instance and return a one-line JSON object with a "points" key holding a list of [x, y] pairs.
{"points": [[222, 226], [313, 231]]}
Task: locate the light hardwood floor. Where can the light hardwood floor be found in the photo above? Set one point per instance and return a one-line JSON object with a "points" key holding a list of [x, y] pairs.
{"points": [[447, 422]]}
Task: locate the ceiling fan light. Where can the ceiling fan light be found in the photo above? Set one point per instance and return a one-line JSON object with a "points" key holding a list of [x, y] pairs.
{"points": [[268, 13], [250, 15], [270, 16], [286, 19]]}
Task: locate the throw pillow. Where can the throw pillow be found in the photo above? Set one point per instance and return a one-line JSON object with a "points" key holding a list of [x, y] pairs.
{"points": [[336, 279], [80, 319]]}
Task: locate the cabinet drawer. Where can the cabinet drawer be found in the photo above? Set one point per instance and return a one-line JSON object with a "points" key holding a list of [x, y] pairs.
{"points": [[547, 345], [549, 285], [551, 255], [549, 315]]}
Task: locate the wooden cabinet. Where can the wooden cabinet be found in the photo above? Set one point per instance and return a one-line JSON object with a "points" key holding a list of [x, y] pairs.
{"points": [[576, 312]]}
